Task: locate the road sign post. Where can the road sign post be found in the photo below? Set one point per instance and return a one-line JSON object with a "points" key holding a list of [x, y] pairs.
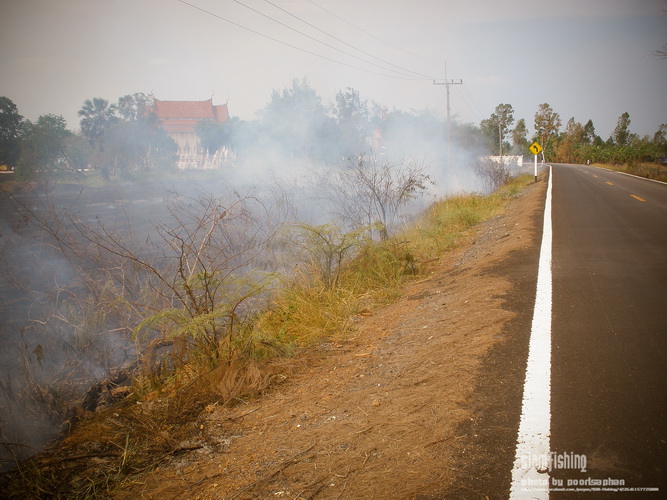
{"points": [[535, 148]]}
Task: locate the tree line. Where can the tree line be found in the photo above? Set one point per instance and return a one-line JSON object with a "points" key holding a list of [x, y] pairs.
{"points": [[114, 138], [576, 142], [123, 137]]}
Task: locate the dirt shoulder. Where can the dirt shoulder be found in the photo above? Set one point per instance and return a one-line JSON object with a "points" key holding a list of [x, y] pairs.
{"points": [[422, 403]]}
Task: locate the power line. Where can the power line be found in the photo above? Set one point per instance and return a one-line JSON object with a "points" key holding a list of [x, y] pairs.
{"points": [[372, 35], [346, 43], [291, 45], [320, 41], [470, 102]]}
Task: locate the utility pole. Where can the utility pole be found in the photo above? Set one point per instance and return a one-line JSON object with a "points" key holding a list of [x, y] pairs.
{"points": [[500, 141], [447, 83]]}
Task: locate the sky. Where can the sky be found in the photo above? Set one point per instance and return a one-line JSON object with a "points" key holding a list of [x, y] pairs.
{"points": [[592, 59]]}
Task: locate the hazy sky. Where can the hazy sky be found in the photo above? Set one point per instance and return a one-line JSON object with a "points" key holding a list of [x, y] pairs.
{"points": [[592, 59]]}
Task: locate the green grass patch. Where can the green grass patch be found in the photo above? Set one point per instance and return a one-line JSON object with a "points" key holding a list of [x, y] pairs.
{"points": [[446, 224]]}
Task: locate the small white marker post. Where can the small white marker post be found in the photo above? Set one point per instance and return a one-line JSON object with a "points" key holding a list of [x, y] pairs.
{"points": [[535, 148]]}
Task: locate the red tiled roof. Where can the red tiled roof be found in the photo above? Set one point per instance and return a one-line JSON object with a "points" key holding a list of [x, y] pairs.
{"points": [[221, 113], [184, 109], [179, 116]]}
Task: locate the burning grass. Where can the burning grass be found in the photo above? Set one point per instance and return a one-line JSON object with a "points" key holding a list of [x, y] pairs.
{"points": [[162, 416]]}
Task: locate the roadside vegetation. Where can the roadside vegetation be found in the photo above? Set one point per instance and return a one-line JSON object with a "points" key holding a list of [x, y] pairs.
{"points": [[238, 345], [657, 171]]}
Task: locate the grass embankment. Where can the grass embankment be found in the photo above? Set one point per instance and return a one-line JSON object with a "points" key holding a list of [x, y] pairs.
{"points": [[345, 277], [307, 311]]}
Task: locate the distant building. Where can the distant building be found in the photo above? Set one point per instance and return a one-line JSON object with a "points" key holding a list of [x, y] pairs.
{"points": [[508, 160], [180, 118]]}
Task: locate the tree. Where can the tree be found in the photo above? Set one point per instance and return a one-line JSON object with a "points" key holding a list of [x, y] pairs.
{"points": [[97, 115], [10, 132], [547, 125], [79, 152], [621, 135], [490, 132], [135, 139], [353, 119], [468, 136], [135, 145], [295, 119], [125, 146], [660, 141], [575, 131], [589, 133], [125, 136], [660, 137], [520, 137], [196, 274], [503, 117], [495, 127], [212, 135], [131, 107], [243, 136], [43, 147], [570, 142], [161, 150], [369, 193]]}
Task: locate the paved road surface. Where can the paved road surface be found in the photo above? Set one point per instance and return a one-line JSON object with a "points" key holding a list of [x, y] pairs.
{"points": [[609, 327]]}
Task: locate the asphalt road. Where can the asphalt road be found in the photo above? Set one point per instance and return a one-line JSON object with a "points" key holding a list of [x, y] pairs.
{"points": [[609, 330]]}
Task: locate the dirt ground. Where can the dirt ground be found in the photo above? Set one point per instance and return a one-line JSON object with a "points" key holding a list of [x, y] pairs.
{"points": [[381, 414]]}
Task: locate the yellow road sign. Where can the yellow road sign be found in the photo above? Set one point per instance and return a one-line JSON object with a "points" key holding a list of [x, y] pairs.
{"points": [[535, 148]]}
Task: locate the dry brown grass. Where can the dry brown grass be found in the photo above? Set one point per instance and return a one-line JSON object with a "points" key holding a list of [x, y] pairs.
{"points": [[163, 419], [648, 170]]}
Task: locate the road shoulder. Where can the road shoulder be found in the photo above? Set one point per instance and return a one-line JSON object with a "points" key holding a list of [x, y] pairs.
{"points": [[422, 402]]}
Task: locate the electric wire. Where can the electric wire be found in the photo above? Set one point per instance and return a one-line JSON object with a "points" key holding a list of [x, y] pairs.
{"points": [[346, 43], [213, 14], [372, 35], [403, 72], [468, 99]]}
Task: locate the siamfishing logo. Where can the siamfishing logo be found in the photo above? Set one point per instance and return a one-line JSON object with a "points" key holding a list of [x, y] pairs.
{"points": [[554, 461]]}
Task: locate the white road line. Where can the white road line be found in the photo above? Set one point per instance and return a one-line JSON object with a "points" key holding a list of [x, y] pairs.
{"points": [[638, 177], [529, 475]]}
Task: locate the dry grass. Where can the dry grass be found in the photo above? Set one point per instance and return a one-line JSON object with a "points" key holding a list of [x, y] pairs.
{"points": [[161, 419], [306, 311], [648, 170], [445, 224], [107, 449]]}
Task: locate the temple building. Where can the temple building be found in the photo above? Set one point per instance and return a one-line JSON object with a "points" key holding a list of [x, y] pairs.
{"points": [[180, 118]]}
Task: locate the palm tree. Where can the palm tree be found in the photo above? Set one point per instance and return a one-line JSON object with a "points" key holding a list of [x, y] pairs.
{"points": [[96, 116]]}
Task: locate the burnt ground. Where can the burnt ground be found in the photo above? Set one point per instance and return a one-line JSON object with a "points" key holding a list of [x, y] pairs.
{"points": [[423, 401]]}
